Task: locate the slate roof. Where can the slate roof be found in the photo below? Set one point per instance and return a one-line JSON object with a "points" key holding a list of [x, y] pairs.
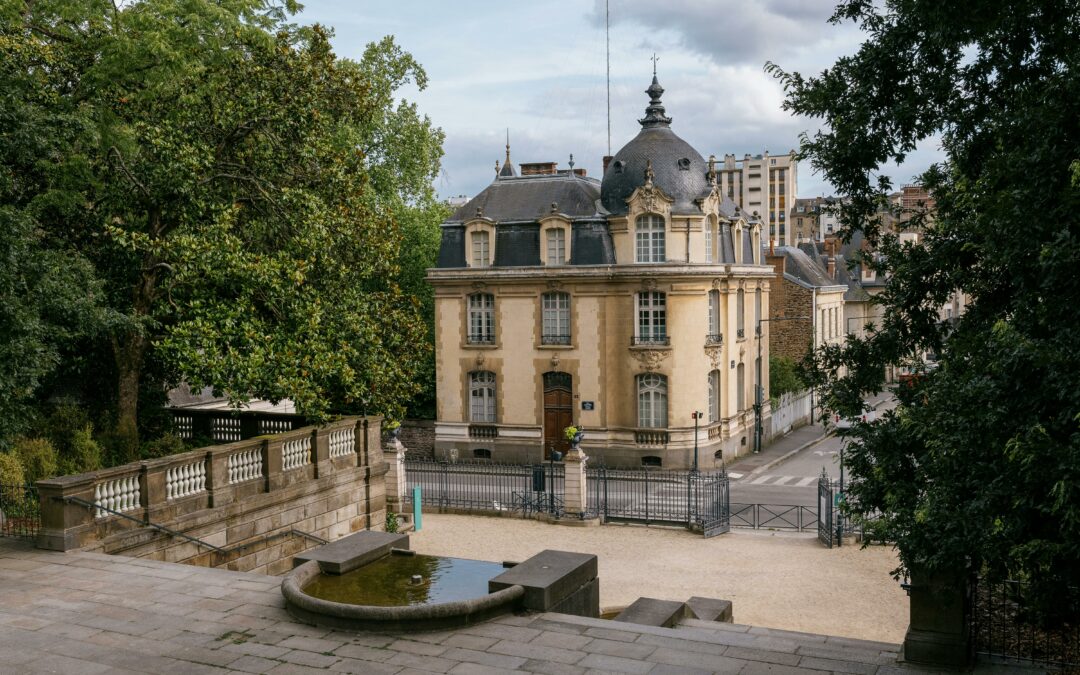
{"points": [[529, 198], [678, 169], [803, 269]]}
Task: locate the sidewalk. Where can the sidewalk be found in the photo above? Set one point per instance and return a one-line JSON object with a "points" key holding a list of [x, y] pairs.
{"points": [[791, 443]]}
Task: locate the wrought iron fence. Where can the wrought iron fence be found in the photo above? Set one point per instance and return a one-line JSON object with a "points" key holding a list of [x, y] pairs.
{"points": [[774, 517], [1001, 632], [646, 495], [20, 511], [483, 486]]}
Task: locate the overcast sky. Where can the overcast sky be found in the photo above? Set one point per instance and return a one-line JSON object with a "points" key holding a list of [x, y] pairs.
{"points": [[538, 68]]}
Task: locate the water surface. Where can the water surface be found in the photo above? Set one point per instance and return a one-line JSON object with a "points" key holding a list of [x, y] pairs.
{"points": [[387, 581]]}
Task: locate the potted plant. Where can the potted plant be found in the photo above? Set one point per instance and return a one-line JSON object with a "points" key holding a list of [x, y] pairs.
{"points": [[392, 429], [574, 435]]}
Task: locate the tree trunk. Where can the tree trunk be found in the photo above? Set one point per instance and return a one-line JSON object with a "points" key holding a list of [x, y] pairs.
{"points": [[129, 351]]}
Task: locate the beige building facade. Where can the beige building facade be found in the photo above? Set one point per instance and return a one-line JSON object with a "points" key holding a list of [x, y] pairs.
{"points": [[622, 306]]}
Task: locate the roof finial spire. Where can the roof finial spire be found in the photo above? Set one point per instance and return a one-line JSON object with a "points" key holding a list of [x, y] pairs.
{"points": [[654, 114], [571, 162], [507, 168]]}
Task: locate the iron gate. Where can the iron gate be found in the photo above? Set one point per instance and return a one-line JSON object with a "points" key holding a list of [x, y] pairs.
{"points": [[695, 500], [826, 532]]}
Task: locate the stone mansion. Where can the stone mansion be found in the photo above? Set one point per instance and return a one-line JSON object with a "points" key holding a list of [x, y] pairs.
{"points": [[622, 305]]}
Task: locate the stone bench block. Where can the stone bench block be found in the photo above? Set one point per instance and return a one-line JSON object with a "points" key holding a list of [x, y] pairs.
{"points": [[555, 581], [653, 612], [355, 550], [710, 609]]}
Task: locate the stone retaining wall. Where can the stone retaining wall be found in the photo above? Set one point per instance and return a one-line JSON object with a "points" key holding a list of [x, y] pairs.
{"points": [[256, 500], [419, 437]]}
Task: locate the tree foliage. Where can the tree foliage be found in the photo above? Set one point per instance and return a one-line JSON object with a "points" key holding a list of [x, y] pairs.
{"points": [[237, 192], [783, 376], [981, 461]]}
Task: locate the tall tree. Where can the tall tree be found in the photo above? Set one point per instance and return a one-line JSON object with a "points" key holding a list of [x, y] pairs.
{"points": [[239, 191], [980, 462]]}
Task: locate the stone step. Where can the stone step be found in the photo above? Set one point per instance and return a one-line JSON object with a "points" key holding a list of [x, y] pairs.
{"points": [[653, 612]]}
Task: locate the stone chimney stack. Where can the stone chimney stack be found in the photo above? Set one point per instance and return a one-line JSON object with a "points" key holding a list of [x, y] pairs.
{"points": [[607, 160]]}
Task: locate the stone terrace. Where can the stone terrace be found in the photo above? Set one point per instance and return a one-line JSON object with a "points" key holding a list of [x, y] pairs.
{"points": [[93, 613]]}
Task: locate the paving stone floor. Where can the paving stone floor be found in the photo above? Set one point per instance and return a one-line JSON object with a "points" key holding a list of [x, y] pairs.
{"points": [[88, 613]]}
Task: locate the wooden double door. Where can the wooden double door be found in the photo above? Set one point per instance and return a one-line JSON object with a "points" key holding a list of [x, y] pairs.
{"points": [[558, 411]]}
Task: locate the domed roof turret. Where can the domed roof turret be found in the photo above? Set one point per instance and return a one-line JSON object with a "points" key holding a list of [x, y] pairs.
{"points": [[678, 169]]}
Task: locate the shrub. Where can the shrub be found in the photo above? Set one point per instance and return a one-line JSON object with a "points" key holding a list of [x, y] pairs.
{"points": [[69, 430], [391, 522], [783, 377], [164, 446], [37, 456], [11, 470]]}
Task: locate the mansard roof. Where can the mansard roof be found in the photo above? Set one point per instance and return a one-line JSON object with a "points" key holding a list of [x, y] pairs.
{"points": [[530, 198]]}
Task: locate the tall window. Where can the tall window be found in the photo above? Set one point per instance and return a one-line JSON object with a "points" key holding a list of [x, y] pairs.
{"points": [[482, 396], [710, 226], [556, 318], [757, 308], [714, 335], [482, 318], [652, 401], [740, 312], [740, 384], [652, 318], [556, 246], [650, 239], [481, 249], [714, 396]]}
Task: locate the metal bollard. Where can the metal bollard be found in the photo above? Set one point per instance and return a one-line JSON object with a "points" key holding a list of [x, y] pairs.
{"points": [[416, 508]]}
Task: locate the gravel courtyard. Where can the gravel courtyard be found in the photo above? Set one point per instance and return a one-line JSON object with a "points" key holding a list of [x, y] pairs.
{"points": [[774, 580]]}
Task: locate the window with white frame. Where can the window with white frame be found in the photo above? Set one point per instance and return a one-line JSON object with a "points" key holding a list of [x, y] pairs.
{"points": [[481, 249], [482, 318], [652, 401], [740, 387], [740, 313], [714, 396], [482, 396], [556, 246], [650, 236], [652, 318], [757, 309], [714, 336], [710, 226], [556, 318]]}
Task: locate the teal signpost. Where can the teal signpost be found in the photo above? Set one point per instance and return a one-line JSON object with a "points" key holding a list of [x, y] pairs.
{"points": [[416, 508]]}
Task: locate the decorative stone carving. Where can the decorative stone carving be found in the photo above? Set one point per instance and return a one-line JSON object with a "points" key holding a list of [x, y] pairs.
{"points": [[554, 284], [555, 361], [648, 284], [650, 359], [480, 360], [554, 207], [715, 354], [717, 284], [479, 285]]}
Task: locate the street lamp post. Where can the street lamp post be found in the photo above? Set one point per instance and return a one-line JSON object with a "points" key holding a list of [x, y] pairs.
{"points": [[759, 391], [697, 417]]}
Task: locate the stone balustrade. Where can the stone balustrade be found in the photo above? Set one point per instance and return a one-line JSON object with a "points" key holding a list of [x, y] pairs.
{"points": [[325, 480]]}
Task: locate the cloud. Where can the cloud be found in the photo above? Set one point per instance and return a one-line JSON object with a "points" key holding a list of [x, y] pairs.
{"points": [[729, 32]]}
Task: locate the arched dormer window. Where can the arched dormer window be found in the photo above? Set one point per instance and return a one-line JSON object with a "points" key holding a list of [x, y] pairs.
{"points": [[479, 244], [555, 242], [737, 236], [650, 239], [712, 241], [756, 241]]}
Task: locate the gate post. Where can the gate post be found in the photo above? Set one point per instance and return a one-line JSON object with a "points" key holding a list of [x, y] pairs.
{"points": [[938, 629], [575, 496]]}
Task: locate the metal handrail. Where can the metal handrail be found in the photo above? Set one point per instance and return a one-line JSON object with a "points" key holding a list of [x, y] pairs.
{"points": [[194, 540]]}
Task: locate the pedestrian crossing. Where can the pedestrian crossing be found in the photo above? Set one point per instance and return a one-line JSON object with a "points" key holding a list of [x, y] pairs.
{"points": [[775, 479]]}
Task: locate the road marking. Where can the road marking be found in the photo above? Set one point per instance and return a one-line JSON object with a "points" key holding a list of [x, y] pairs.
{"points": [[735, 475], [759, 481], [805, 481], [783, 479]]}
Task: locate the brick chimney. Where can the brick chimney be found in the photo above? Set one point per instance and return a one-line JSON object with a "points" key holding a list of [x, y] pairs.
{"points": [[539, 169], [830, 265], [607, 160]]}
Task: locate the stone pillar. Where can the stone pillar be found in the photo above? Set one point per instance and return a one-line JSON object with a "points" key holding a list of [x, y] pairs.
{"points": [[394, 456], [938, 632], [575, 495]]}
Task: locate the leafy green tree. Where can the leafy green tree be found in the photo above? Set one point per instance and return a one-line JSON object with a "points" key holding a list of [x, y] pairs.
{"points": [[783, 376], [239, 191], [979, 463]]}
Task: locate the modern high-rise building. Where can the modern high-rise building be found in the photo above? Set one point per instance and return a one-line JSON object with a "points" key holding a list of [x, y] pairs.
{"points": [[764, 185]]}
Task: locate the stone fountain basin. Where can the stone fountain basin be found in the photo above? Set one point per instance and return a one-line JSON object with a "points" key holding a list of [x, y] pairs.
{"points": [[548, 581]]}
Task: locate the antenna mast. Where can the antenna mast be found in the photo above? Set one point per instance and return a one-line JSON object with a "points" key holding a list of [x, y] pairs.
{"points": [[607, 50]]}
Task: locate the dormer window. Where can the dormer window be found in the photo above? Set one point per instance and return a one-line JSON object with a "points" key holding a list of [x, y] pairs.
{"points": [[650, 239], [556, 246], [684, 164], [481, 249]]}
